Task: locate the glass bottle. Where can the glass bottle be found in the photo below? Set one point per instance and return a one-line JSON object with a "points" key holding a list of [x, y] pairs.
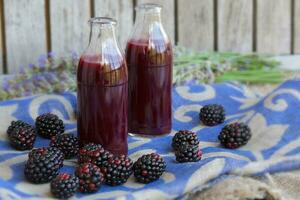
{"points": [[102, 83], [149, 59]]}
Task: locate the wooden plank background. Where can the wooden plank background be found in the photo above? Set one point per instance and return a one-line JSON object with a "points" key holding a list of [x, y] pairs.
{"points": [[296, 24], [196, 24], [235, 33], [274, 26], [29, 28], [69, 26], [122, 11]]}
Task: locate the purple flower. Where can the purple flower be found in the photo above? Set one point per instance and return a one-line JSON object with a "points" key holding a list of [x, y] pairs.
{"points": [[6, 86], [42, 60], [52, 54], [31, 66], [50, 77], [74, 55], [22, 69]]}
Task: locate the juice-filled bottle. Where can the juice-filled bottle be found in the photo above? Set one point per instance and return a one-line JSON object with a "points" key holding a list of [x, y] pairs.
{"points": [[149, 59], [102, 83]]}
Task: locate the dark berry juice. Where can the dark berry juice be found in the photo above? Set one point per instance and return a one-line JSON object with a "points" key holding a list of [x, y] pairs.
{"points": [[149, 87], [102, 102]]}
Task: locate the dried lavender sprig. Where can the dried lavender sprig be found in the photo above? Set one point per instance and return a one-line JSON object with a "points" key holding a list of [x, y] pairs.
{"points": [[53, 74]]}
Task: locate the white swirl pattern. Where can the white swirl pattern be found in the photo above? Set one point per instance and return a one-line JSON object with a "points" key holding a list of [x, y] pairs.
{"points": [[280, 104]]}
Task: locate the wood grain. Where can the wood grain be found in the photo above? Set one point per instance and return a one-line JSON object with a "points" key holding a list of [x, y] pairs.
{"points": [[196, 24], [69, 25], [168, 16], [1, 39], [235, 25], [274, 26], [25, 32], [297, 27], [120, 10]]}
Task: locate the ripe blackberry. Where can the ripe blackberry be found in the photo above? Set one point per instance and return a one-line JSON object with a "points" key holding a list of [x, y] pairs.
{"points": [[149, 168], [22, 137], [188, 153], [49, 125], [16, 125], [43, 164], [90, 177], [212, 114], [184, 137], [67, 143], [64, 186], [93, 153], [235, 135], [117, 170]]}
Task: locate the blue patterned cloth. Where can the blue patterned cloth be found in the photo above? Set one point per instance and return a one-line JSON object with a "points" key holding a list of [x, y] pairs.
{"points": [[274, 146]]}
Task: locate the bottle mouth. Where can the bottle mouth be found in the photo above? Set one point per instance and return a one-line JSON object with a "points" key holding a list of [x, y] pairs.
{"points": [[149, 6], [103, 21]]}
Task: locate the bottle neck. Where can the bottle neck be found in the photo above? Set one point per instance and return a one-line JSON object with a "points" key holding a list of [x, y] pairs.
{"points": [[148, 17], [101, 34]]}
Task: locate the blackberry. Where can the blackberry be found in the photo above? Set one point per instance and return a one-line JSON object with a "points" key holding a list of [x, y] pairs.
{"points": [[49, 125], [43, 164], [22, 137], [64, 186], [212, 114], [235, 135], [188, 153], [93, 153], [16, 125], [90, 177], [184, 137], [117, 170], [67, 143], [149, 168]]}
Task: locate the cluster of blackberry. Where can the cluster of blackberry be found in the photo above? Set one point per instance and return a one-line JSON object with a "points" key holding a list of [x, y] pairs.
{"points": [[116, 169], [22, 135], [232, 135], [96, 165], [44, 163], [185, 143]]}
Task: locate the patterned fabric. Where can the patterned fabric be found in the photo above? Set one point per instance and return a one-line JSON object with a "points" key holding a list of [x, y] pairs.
{"points": [[275, 144]]}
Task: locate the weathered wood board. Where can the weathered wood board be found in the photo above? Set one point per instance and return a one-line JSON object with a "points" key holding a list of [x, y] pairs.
{"points": [[25, 31], [69, 25], [273, 26], [120, 10], [235, 25], [196, 24]]}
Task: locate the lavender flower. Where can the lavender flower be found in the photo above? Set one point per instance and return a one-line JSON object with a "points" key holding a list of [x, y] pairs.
{"points": [[42, 60], [74, 55], [51, 54]]}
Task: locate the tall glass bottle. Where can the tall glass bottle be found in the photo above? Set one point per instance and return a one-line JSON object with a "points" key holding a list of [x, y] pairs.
{"points": [[149, 59], [102, 80]]}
